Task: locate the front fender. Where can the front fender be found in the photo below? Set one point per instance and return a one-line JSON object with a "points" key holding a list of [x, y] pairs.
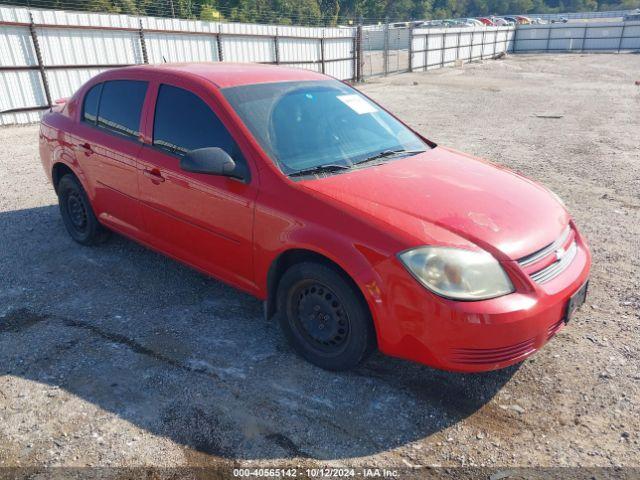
{"points": [[356, 259]]}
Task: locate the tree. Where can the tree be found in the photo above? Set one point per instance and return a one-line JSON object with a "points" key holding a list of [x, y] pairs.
{"points": [[210, 14], [329, 10]]}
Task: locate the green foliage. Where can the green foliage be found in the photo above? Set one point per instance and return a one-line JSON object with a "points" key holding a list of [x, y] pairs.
{"points": [[332, 12], [210, 14]]}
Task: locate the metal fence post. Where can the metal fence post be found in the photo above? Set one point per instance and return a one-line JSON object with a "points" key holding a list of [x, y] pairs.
{"points": [[354, 56], [143, 43], [43, 73], [621, 37], [426, 52], [411, 47], [322, 52], [484, 31], [385, 57], [548, 38], [495, 42], [276, 48], [358, 54], [444, 48], [219, 43], [473, 34], [584, 37]]}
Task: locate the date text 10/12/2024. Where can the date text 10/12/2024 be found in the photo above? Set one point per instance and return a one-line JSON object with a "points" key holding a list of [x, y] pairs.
{"points": [[315, 472]]}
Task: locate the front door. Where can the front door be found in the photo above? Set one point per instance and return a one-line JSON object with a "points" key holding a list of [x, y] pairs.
{"points": [[203, 220]]}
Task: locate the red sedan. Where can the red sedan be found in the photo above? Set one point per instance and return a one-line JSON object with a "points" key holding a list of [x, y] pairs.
{"points": [[357, 232]]}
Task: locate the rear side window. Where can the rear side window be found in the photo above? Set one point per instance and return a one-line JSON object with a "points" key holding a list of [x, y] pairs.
{"points": [[121, 105], [183, 122], [90, 106]]}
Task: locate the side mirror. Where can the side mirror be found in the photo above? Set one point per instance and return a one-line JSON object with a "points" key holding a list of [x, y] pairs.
{"points": [[211, 161]]}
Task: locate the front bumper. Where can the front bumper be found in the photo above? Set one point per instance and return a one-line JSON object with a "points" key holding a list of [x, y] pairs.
{"points": [[415, 324]]}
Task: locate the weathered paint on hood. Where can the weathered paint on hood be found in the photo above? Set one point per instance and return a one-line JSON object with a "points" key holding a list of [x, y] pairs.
{"points": [[490, 206]]}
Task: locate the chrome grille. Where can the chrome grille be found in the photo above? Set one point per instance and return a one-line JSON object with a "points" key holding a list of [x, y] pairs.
{"points": [[540, 254], [555, 257], [556, 268]]}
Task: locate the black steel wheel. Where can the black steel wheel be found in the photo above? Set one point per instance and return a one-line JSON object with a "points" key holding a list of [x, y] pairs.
{"points": [[77, 214], [77, 211], [319, 315], [324, 317]]}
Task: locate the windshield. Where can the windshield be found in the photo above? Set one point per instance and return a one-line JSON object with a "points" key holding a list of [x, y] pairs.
{"points": [[305, 125]]}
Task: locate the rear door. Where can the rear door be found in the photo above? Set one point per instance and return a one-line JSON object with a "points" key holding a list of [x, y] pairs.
{"points": [[108, 144], [204, 220]]}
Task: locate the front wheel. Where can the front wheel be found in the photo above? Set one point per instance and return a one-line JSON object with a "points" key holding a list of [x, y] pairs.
{"points": [[77, 214], [324, 317]]}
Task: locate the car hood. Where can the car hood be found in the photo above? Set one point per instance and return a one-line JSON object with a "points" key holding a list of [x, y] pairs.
{"points": [[442, 189]]}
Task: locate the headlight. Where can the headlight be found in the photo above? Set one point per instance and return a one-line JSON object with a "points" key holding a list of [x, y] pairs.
{"points": [[456, 273]]}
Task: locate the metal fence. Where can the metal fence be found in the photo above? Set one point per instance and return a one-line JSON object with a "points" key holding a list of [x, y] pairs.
{"points": [[48, 54], [385, 50], [436, 48], [581, 15], [579, 37], [389, 50]]}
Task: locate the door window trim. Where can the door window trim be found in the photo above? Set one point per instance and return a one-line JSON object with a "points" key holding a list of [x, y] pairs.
{"points": [[135, 139], [154, 90], [84, 103]]}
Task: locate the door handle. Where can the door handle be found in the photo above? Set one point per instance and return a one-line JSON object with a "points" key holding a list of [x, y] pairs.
{"points": [[154, 174], [86, 147]]}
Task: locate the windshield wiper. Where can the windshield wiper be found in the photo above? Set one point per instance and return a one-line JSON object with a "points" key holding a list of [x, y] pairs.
{"points": [[331, 167], [388, 154]]}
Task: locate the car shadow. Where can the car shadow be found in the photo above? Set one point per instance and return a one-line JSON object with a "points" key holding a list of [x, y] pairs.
{"points": [[186, 357]]}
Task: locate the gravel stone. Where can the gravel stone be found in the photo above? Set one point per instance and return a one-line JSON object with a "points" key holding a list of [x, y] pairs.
{"points": [[170, 368]]}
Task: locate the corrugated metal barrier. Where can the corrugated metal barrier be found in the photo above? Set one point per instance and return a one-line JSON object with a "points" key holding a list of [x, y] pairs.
{"points": [[48, 54], [579, 37]]}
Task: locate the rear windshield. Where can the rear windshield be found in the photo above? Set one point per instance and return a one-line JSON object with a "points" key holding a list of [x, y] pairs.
{"points": [[302, 125]]}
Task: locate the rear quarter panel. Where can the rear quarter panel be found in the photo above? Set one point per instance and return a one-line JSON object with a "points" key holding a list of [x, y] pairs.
{"points": [[57, 139]]}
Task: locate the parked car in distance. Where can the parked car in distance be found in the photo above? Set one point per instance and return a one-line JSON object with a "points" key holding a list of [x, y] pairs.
{"points": [[511, 20], [522, 20], [487, 22], [356, 231], [500, 22], [451, 23], [432, 24], [559, 20], [635, 17], [472, 22]]}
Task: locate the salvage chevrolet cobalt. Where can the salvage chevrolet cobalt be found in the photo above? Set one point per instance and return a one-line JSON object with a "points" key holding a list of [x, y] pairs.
{"points": [[357, 232]]}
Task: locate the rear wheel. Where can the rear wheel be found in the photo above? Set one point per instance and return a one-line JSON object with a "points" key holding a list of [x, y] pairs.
{"points": [[77, 214], [324, 317]]}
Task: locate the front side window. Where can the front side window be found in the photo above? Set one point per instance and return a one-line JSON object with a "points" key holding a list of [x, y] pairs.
{"points": [[303, 125], [121, 106], [183, 122], [90, 106]]}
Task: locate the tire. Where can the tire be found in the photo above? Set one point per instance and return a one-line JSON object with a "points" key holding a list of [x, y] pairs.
{"points": [[324, 317], [77, 214]]}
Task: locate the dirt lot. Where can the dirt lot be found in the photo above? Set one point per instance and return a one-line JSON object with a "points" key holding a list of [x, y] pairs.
{"points": [[118, 356]]}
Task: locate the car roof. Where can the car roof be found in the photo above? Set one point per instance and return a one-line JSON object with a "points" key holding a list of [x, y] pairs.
{"points": [[225, 74]]}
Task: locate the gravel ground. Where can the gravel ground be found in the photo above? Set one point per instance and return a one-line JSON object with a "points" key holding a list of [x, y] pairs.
{"points": [[117, 356]]}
